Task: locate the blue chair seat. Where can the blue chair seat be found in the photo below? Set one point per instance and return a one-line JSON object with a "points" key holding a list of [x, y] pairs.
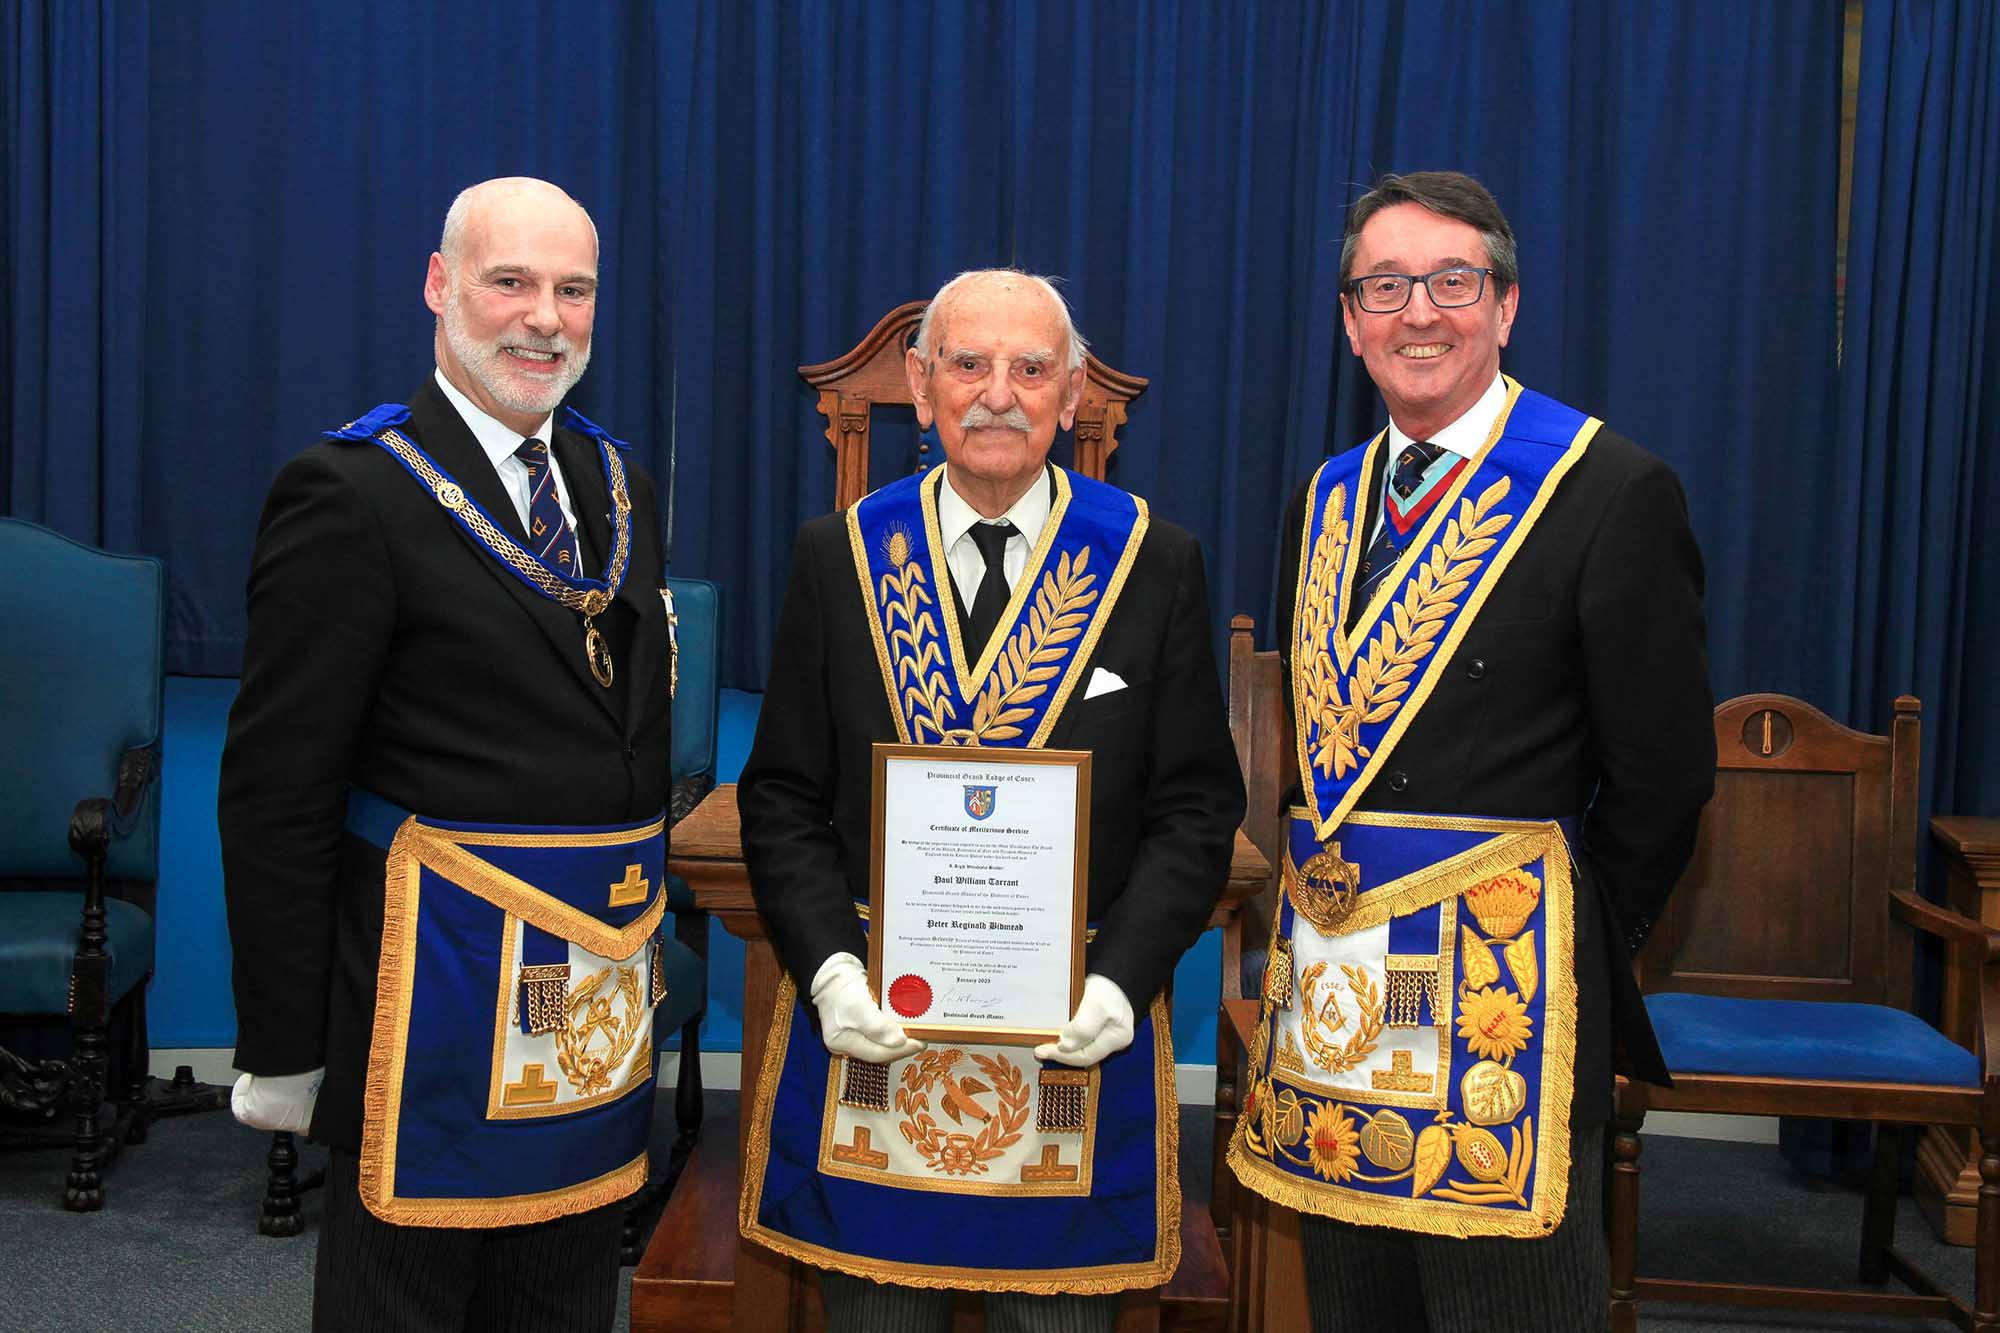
{"points": [[1868, 1043], [39, 934]]}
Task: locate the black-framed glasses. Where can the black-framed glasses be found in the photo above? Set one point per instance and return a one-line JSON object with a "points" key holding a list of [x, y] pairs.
{"points": [[1449, 288]]}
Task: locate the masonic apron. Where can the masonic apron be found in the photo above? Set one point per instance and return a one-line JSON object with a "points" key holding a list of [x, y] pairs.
{"points": [[972, 1166], [1413, 1059]]}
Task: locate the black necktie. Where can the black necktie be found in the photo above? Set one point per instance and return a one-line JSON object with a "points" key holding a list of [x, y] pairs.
{"points": [[991, 599], [1408, 475]]}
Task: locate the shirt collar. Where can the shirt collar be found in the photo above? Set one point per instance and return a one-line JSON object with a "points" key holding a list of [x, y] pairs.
{"points": [[1027, 514], [1465, 435], [497, 439]]}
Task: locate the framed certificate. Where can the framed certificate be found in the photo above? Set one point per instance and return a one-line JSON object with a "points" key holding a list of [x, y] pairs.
{"points": [[980, 872]]}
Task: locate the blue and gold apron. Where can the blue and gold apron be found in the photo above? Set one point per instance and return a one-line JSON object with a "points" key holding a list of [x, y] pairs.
{"points": [[1414, 1057], [966, 1165], [514, 1006]]}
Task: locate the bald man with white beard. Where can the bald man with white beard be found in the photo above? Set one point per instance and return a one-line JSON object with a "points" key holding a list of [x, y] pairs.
{"points": [[458, 647]]}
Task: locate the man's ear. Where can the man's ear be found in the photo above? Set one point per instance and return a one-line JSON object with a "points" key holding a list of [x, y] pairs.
{"points": [[1508, 305], [920, 386], [1072, 395], [434, 284], [1347, 317]]}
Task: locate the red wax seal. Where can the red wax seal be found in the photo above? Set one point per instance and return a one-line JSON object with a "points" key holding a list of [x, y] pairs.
{"points": [[910, 995]]}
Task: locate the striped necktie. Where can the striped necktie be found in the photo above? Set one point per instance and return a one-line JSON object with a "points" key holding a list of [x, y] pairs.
{"points": [[1408, 476], [549, 534]]}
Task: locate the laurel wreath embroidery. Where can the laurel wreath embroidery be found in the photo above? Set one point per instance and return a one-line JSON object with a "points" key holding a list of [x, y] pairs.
{"points": [[1381, 677], [588, 1070], [919, 661], [1362, 1042], [961, 1154], [1022, 671]]}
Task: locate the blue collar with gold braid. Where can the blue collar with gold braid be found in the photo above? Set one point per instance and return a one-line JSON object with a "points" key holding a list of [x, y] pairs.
{"points": [[1015, 692], [974, 1166], [1355, 694], [585, 596]]}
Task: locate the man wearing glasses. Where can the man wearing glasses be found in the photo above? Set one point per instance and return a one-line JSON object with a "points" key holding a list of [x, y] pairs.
{"points": [[1492, 623]]}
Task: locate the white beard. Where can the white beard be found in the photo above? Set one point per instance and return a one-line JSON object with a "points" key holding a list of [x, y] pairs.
{"points": [[490, 369]]}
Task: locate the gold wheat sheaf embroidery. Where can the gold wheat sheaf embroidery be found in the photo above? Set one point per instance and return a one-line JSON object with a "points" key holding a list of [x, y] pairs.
{"points": [[919, 662], [1381, 676], [1022, 671]]}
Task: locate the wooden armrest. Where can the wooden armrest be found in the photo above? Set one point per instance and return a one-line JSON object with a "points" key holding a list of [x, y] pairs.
{"points": [[1944, 923]]}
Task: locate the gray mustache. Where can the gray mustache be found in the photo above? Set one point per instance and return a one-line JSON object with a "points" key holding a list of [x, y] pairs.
{"points": [[978, 417]]}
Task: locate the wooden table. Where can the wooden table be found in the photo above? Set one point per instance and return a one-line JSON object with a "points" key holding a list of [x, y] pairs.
{"points": [[698, 1273], [1947, 1184]]}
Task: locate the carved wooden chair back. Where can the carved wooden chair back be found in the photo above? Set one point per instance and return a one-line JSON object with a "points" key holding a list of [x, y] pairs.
{"points": [[871, 374]]}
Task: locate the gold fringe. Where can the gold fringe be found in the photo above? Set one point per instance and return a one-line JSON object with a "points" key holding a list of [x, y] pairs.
{"points": [[1557, 1082], [518, 1209], [382, 1090], [1446, 879], [1039, 1282], [438, 849], [395, 973]]}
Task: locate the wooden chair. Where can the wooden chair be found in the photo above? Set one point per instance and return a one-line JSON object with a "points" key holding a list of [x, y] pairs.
{"points": [[871, 373], [1777, 989], [1260, 1240]]}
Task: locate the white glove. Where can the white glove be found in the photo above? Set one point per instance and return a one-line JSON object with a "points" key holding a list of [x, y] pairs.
{"points": [[276, 1101], [850, 1022], [1102, 1026]]}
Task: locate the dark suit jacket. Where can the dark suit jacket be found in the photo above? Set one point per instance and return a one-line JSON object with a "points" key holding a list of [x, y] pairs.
{"points": [[388, 652], [1581, 689], [1166, 793]]}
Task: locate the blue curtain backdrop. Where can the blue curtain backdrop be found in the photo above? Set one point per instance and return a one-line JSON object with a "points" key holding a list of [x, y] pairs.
{"points": [[218, 214]]}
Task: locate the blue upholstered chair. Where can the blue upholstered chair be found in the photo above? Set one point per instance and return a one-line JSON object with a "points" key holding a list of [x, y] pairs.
{"points": [[80, 690], [696, 613], [1777, 988]]}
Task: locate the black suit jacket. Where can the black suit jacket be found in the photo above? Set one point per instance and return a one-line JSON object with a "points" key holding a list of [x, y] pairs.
{"points": [[1166, 793], [1581, 689], [387, 651]]}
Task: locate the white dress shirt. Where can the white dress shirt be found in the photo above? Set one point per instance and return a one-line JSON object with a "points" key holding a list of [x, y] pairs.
{"points": [[499, 441], [955, 519]]}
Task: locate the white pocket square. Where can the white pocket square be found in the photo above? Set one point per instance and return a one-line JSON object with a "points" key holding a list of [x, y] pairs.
{"points": [[1102, 682]]}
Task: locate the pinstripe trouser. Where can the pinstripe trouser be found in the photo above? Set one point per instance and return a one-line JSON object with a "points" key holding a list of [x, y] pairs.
{"points": [[858, 1305], [1388, 1281], [374, 1277]]}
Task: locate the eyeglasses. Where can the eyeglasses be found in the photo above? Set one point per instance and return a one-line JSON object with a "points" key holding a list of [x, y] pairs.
{"points": [[1386, 293]]}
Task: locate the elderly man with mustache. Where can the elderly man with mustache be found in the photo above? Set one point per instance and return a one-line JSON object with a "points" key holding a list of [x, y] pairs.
{"points": [[451, 737], [997, 367]]}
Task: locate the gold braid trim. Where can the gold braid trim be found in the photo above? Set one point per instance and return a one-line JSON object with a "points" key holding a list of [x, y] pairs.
{"points": [[1442, 1216], [439, 849], [1038, 1282], [382, 1093], [1016, 669]]}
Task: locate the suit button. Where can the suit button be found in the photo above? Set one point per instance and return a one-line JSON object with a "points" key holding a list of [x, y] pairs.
{"points": [[1398, 781], [1476, 669], [630, 753]]}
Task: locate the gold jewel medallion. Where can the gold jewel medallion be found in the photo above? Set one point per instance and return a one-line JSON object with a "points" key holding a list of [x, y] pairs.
{"points": [[599, 654], [451, 495]]}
